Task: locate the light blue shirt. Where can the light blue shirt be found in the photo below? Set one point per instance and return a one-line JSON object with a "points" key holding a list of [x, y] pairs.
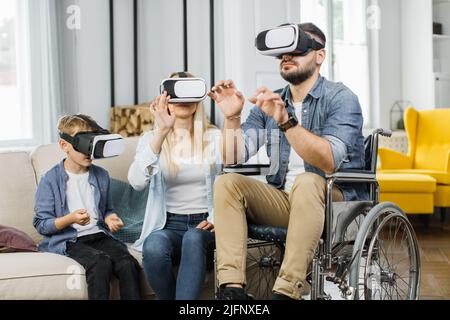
{"points": [[139, 176]]}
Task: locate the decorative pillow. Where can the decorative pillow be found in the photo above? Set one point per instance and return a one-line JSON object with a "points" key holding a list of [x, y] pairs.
{"points": [[130, 206], [13, 240]]}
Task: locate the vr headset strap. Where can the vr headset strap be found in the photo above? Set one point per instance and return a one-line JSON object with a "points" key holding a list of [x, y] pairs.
{"points": [[313, 44], [66, 137], [93, 124]]}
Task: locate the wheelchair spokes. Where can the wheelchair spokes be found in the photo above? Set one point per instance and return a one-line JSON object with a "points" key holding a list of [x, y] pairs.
{"points": [[391, 268], [263, 263]]}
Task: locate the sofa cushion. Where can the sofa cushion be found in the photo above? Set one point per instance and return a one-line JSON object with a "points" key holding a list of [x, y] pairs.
{"points": [[441, 177], [13, 240], [51, 277], [130, 205], [17, 189], [44, 158], [410, 203], [406, 183], [41, 276]]}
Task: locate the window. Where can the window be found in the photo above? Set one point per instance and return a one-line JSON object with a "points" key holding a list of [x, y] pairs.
{"points": [[344, 24], [316, 11], [350, 49], [15, 110]]}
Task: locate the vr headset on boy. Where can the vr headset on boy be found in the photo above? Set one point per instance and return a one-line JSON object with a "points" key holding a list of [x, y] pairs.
{"points": [[183, 89], [286, 39], [96, 144]]}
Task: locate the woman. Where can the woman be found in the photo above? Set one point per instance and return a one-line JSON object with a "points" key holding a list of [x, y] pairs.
{"points": [[179, 159]]}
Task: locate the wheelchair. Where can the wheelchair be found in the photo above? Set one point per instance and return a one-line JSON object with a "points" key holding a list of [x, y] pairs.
{"points": [[368, 250]]}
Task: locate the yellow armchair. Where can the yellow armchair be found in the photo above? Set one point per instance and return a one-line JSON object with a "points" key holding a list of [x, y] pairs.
{"points": [[448, 162], [392, 159], [428, 135]]}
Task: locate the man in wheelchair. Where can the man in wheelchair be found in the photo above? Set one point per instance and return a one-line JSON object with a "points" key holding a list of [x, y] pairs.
{"points": [[311, 128]]}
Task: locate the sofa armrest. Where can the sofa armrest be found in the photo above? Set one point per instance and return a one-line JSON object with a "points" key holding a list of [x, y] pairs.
{"points": [[391, 159]]}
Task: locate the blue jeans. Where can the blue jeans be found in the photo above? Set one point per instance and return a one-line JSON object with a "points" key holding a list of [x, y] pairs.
{"points": [[179, 243]]}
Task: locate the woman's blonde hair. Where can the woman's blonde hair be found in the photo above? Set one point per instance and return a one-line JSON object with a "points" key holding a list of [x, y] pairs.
{"points": [[201, 125]]}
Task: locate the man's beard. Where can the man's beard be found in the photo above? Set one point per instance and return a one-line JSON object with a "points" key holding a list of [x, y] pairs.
{"points": [[299, 76]]}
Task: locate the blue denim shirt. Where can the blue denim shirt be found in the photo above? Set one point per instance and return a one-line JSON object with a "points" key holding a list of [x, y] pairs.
{"points": [[51, 203], [331, 111]]}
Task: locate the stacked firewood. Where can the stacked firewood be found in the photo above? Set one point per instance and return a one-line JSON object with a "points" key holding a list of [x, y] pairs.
{"points": [[130, 121]]}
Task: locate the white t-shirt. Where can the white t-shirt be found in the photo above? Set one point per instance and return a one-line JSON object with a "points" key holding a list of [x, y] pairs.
{"points": [[80, 195], [296, 163], [186, 192]]}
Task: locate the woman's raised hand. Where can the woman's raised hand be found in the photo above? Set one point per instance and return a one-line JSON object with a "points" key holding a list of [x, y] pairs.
{"points": [[164, 118], [228, 98]]}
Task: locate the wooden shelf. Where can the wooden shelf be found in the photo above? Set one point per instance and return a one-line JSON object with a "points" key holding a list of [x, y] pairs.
{"points": [[440, 37], [439, 2], [442, 76], [436, 2]]}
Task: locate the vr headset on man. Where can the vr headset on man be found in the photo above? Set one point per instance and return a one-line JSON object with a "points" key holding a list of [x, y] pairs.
{"points": [[286, 39], [96, 144]]}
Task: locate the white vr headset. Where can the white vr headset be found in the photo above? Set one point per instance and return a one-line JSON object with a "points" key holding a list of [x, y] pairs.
{"points": [[96, 144], [286, 39], [184, 90]]}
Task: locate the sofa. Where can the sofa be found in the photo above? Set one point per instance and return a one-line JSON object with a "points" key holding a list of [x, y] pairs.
{"points": [[46, 276], [428, 158]]}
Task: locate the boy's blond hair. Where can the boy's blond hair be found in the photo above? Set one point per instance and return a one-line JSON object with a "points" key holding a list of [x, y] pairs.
{"points": [[73, 124]]}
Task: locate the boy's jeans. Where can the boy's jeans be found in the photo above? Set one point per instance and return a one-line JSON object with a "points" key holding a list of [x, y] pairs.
{"points": [[180, 242], [102, 257]]}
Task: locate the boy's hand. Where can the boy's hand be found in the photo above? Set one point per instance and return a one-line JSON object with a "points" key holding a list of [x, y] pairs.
{"points": [[80, 217], [113, 222]]}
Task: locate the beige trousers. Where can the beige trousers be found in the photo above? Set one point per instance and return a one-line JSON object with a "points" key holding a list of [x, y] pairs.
{"points": [[238, 199]]}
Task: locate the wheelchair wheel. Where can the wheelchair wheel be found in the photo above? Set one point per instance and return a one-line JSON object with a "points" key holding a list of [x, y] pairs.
{"points": [[386, 263], [263, 263]]}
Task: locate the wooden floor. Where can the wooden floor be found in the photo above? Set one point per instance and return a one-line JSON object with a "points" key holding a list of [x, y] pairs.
{"points": [[434, 242]]}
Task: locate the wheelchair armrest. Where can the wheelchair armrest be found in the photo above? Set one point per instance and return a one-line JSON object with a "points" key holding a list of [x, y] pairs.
{"points": [[356, 176], [247, 169]]}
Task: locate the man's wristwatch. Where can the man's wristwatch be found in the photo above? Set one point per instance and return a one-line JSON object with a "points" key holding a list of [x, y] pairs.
{"points": [[292, 122]]}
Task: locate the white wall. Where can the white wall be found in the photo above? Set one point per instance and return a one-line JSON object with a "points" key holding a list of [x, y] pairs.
{"points": [[160, 44], [124, 52], [390, 66], [86, 60], [199, 62], [417, 54], [93, 50]]}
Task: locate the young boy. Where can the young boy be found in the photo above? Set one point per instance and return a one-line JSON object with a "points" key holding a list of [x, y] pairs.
{"points": [[73, 212]]}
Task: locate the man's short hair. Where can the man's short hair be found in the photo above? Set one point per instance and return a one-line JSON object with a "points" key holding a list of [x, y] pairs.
{"points": [[72, 124], [311, 28]]}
